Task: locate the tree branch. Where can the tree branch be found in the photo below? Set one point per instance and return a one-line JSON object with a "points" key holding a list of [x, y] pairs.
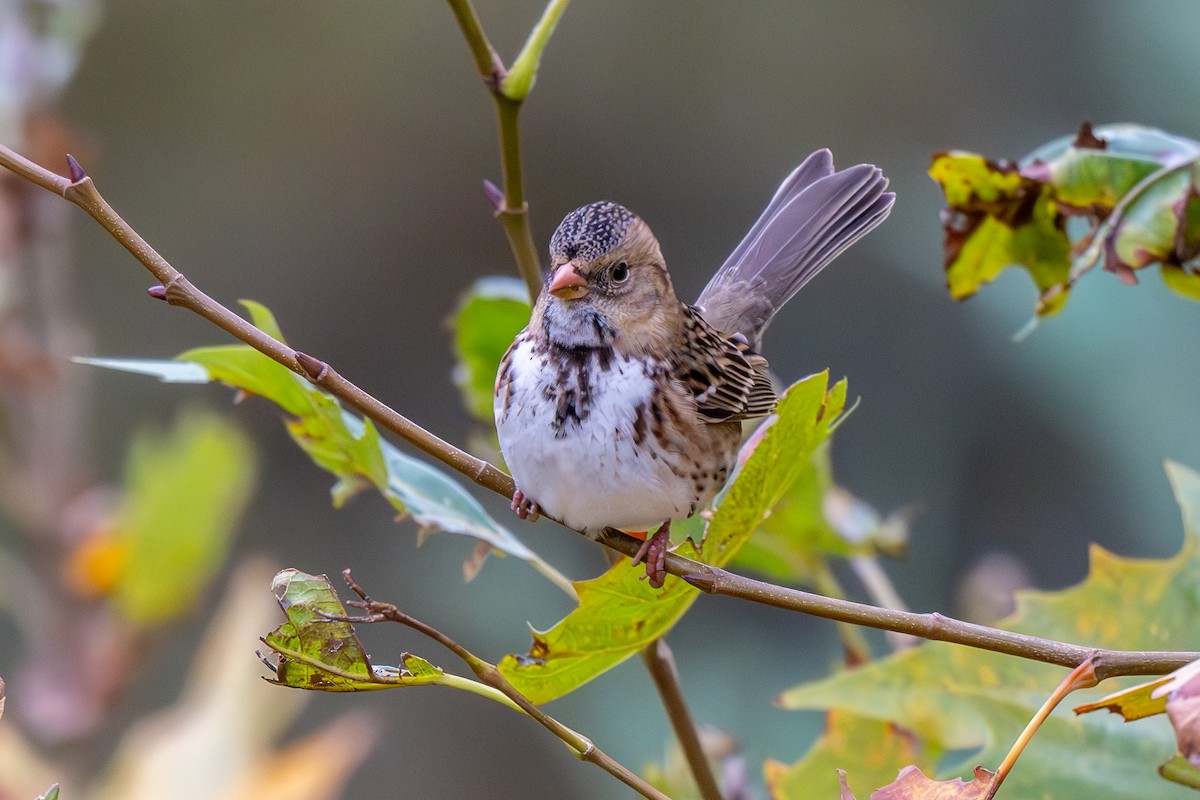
{"points": [[179, 291], [487, 673], [661, 663]]}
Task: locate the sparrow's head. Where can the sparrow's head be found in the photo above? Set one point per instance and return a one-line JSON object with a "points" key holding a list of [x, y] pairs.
{"points": [[608, 283]]}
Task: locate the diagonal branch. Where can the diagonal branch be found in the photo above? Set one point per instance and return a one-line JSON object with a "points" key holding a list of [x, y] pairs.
{"points": [[177, 290], [487, 673]]}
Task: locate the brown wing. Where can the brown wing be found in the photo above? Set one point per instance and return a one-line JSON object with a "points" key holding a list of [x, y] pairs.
{"points": [[727, 381]]}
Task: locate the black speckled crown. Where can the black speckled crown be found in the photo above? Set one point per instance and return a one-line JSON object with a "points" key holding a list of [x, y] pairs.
{"points": [[590, 231]]}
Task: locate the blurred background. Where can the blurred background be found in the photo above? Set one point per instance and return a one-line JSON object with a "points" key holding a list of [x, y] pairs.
{"points": [[325, 159]]}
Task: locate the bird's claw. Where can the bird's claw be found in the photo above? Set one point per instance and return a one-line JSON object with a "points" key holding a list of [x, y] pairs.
{"points": [[654, 553], [525, 507]]}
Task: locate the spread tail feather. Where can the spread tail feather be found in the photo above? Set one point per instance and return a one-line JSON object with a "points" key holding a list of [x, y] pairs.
{"points": [[815, 215]]}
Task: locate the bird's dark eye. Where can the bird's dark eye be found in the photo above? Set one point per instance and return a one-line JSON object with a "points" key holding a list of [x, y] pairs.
{"points": [[619, 272]]}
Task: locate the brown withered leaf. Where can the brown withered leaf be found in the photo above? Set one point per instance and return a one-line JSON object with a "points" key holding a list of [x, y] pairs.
{"points": [[913, 784], [474, 563]]}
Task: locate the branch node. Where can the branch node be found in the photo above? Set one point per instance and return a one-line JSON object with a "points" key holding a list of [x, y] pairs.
{"points": [[314, 369], [494, 195], [174, 291], [77, 172], [703, 581], [495, 80]]}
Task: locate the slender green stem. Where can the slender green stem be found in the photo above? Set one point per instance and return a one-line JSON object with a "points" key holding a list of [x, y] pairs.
{"points": [[661, 663], [487, 63], [514, 212], [481, 689], [514, 216], [179, 291]]}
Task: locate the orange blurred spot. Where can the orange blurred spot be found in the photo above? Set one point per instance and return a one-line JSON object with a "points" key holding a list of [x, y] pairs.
{"points": [[96, 565]]}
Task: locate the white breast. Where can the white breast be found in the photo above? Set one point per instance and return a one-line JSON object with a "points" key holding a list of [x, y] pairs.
{"points": [[584, 469]]}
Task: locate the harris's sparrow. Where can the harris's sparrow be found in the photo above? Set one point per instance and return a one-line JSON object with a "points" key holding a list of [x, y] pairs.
{"points": [[620, 405]]}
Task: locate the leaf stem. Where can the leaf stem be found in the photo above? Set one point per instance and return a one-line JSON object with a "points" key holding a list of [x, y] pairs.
{"points": [[475, 687], [1082, 677], [487, 673], [660, 660]]}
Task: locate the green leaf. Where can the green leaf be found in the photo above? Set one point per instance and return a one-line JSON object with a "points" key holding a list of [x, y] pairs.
{"points": [[323, 654], [165, 371], [1000, 218], [619, 613], [184, 492], [352, 450], [957, 698], [1148, 228], [346, 445], [1179, 770], [51, 793], [1131, 192], [793, 542], [489, 317], [317, 648], [263, 319]]}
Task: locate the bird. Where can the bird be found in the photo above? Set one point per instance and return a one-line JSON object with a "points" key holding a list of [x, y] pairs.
{"points": [[621, 406]]}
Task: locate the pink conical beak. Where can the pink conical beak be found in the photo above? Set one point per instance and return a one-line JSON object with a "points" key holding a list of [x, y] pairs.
{"points": [[567, 284]]}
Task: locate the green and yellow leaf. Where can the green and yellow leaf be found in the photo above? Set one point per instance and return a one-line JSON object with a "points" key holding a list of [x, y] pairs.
{"points": [[619, 613], [962, 700]]}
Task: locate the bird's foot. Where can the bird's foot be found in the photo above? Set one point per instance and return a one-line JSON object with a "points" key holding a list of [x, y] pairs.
{"points": [[525, 507], [654, 553]]}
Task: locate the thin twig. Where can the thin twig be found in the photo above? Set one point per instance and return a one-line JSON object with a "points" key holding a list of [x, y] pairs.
{"points": [[1082, 677], [487, 63], [661, 663], [181, 292], [487, 673], [512, 211]]}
